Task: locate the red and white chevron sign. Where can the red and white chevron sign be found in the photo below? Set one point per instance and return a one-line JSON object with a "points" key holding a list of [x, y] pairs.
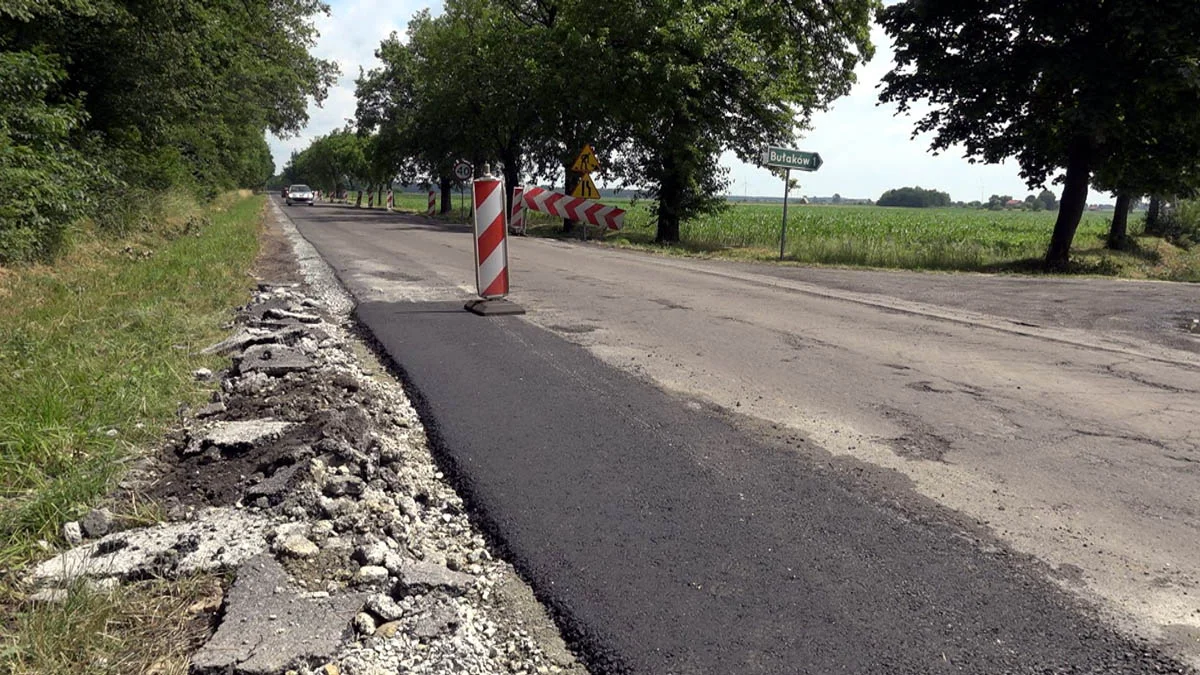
{"points": [[432, 203], [516, 219], [575, 208], [491, 238]]}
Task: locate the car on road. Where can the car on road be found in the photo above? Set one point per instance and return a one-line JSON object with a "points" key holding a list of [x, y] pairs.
{"points": [[299, 194]]}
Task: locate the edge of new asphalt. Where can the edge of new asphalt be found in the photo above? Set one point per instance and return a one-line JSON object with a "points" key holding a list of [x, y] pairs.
{"points": [[668, 537]]}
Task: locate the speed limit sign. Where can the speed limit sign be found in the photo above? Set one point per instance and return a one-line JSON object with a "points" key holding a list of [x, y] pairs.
{"points": [[462, 170]]}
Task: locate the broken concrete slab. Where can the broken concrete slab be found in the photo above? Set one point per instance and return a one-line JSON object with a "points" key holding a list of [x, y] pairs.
{"points": [[274, 487], [283, 315], [416, 577], [269, 627], [239, 435], [239, 341], [273, 360], [218, 539]]}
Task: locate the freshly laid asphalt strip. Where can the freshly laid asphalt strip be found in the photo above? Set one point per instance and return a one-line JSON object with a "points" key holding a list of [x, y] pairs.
{"points": [[668, 539]]}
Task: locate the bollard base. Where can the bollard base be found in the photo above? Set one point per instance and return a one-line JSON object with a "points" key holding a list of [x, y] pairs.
{"points": [[499, 307]]}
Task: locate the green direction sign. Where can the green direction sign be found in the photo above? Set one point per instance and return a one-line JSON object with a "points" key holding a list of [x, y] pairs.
{"points": [[785, 158]]}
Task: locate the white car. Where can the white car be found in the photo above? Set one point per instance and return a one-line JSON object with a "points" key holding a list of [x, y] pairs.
{"points": [[299, 194]]}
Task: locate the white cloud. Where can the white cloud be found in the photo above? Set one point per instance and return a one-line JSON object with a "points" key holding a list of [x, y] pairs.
{"points": [[866, 148]]}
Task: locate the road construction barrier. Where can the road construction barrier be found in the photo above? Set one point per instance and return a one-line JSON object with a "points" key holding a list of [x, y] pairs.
{"points": [[491, 238], [391, 200], [516, 219], [432, 203], [576, 208]]}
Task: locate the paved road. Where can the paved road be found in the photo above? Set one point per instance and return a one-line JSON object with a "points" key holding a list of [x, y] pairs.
{"points": [[709, 467]]}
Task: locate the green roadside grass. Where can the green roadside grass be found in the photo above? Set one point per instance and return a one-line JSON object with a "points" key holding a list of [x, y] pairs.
{"points": [[951, 239], [98, 352]]}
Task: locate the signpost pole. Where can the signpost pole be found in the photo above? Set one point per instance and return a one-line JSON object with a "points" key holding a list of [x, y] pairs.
{"points": [[787, 184]]}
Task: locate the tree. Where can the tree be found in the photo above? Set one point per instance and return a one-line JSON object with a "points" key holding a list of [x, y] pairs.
{"points": [[1046, 83], [731, 75], [998, 202], [160, 95], [1118, 231], [1048, 200], [41, 176], [914, 197], [333, 163]]}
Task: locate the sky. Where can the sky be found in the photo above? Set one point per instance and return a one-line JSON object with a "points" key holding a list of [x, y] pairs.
{"points": [[866, 148]]}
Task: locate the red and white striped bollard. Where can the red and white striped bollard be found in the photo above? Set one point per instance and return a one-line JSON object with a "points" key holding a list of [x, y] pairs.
{"points": [[516, 219], [432, 203], [391, 200], [491, 238]]}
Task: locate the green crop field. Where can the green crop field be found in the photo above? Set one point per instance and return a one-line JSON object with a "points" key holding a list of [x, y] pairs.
{"points": [[875, 236], [872, 235]]}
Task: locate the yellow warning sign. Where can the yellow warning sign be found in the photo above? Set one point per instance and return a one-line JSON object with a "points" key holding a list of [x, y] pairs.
{"points": [[585, 188], [586, 162]]}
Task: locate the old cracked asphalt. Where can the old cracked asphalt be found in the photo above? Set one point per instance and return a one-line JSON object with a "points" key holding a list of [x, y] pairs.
{"points": [[707, 467]]}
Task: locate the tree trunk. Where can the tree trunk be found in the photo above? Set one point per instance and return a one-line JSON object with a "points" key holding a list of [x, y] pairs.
{"points": [[1071, 206], [1118, 232], [358, 198], [447, 188], [511, 159], [1153, 223], [670, 202], [571, 181]]}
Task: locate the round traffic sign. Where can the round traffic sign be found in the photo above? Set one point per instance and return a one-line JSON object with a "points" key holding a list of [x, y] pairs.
{"points": [[462, 170]]}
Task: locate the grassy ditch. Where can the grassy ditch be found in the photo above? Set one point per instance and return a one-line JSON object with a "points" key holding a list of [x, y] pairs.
{"points": [[98, 352]]}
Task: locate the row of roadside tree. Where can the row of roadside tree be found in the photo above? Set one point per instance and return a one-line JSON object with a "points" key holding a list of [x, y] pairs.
{"points": [[1100, 95], [106, 104]]}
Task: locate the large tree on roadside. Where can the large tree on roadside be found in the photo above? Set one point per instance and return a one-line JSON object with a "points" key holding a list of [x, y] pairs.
{"points": [[730, 75], [666, 86], [1039, 81]]}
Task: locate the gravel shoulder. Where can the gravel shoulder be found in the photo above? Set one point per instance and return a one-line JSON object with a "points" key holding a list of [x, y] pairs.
{"points": [[308, 480]]}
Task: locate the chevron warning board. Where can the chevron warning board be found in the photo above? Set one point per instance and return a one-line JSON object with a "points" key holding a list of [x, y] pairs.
{"points": [[576, 208]]}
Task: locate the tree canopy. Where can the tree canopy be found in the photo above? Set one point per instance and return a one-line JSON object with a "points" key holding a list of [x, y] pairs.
{"points": [[144, 96], [1092, 87], [914, 197], [660, 87]]}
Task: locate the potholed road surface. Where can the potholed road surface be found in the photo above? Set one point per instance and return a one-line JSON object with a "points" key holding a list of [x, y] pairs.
{"points": [[712, 467]]}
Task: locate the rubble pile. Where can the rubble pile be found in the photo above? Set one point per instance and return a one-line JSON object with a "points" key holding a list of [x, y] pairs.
{"points": [[311, 480]]}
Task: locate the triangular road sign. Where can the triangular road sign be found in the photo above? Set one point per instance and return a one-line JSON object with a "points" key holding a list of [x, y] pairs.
{"points": [[585, 188], [586, 162]]}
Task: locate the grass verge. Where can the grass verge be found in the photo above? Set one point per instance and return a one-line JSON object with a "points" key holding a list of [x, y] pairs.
{"points": [[878, 237], [150, 627], [98, 352]]}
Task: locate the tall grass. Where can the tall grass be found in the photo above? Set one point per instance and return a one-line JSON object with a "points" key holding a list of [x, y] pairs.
{"points": [[98, 351]]}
